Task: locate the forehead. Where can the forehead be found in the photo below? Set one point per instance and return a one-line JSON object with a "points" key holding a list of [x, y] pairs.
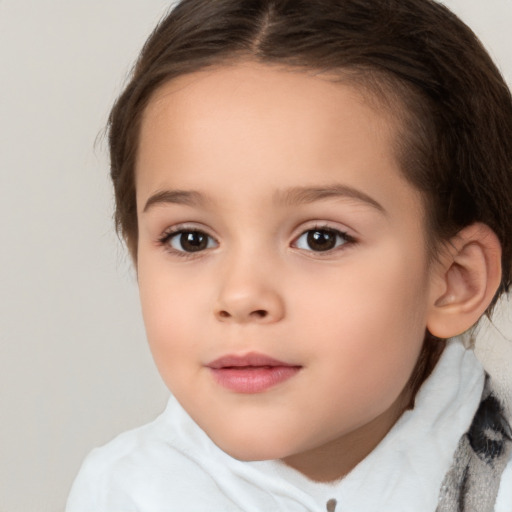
{"points": [[299, 92], [254, 125]]}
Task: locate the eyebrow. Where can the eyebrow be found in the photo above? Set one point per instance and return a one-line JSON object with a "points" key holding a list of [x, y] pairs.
{"points": [[303, 195], [289, 197], [187, 197]]}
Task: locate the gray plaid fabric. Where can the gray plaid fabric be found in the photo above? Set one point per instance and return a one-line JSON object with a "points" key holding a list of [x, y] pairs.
{"points": [[472, 483]]}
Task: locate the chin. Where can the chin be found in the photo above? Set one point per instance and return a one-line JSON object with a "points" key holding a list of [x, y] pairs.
{"points": [[252, 450]]}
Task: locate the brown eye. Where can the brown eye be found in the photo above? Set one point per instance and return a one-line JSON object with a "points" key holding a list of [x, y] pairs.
{"points": [[321, 240], [190, 241]]}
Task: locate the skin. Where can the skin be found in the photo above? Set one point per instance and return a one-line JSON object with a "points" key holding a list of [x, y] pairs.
{"points": [[352, 318]]}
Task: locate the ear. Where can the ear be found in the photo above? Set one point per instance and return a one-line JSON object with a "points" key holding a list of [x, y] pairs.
{"points": [[464, 281]]}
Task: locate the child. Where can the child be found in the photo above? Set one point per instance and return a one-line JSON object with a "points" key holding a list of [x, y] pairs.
{"points": [[316, 197]]}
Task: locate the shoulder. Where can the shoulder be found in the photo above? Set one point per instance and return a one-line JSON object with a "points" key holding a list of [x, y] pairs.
{"points": [[144, 469], [106, 473]]}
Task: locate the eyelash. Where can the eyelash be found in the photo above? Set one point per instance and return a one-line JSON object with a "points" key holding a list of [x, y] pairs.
{"points": [[170, 234], [348, 240]]}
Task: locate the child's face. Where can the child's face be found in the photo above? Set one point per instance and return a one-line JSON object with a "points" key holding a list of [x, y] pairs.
{"points": [[298, 240]]}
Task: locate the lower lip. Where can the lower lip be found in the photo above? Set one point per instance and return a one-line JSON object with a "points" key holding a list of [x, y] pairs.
{"points": [[253, 379]]}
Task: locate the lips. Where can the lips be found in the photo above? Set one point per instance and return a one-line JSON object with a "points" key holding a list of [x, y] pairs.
{"points": [[250, 373]]}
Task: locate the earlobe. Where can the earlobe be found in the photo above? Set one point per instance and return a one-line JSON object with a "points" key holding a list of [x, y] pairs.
{"points": [[467, 278]]}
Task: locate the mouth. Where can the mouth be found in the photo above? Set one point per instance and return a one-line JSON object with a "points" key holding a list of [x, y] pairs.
{"points": [[251, 373]]}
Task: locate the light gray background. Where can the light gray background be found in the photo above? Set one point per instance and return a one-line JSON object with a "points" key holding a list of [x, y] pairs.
{"points": [[74, 366]]}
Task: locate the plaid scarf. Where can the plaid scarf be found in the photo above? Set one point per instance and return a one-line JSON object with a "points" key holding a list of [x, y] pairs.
{"points": [[472, 483]]}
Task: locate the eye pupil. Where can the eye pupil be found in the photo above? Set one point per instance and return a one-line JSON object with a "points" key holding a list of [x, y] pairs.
{"points": [[321, 240], [193, 241]]}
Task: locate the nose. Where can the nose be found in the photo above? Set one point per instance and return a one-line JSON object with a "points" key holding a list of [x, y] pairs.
{"points": [[249, 295]]}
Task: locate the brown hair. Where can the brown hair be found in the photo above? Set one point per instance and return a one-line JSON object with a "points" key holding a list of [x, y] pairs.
{"points": [[428, 66]]}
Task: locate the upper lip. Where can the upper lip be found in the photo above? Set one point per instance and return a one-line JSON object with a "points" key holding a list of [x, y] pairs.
{"points": [[252, 359]]}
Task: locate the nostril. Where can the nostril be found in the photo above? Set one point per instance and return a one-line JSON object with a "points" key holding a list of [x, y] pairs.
{"points": [[243, 315]]}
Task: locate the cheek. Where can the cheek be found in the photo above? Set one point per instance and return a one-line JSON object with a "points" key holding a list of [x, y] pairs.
{"points": [[376, 292], [169, 309], [369, 323]]}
